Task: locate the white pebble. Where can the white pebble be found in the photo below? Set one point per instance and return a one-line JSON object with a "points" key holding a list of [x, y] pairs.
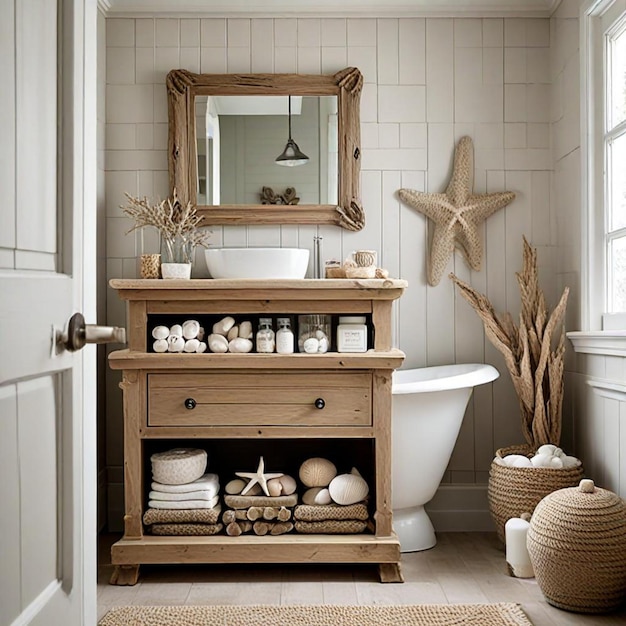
{"points": [[160, 332], [175, 343], [160, 345], [191, 345], [311, 345]]}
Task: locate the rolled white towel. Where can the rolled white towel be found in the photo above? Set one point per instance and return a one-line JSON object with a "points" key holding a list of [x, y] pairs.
{"points": [[570, 461], [177, 497], [517, 460], [550, 449], [542, 460], [184, 504], [208, 482]]}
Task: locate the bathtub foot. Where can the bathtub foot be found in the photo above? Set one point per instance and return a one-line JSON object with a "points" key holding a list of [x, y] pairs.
{"points": [[390, 573], [414, 529]]}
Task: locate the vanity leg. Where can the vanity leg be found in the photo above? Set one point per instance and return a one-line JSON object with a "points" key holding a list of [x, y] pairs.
{"points": [[390, 573], [125, 575]]}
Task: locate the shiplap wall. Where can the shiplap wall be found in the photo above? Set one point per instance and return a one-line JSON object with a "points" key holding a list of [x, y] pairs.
{"points": [[427, 83]]}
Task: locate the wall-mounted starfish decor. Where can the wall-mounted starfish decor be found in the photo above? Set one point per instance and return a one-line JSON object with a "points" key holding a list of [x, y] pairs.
{"points": [[457, 213], [258, 477]]}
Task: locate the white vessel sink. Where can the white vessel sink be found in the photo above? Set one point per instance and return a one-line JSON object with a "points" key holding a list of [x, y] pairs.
{"points": [[257, 262]]}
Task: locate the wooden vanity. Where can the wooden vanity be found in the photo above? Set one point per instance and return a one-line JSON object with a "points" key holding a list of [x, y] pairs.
{"points": [[251, 404]]}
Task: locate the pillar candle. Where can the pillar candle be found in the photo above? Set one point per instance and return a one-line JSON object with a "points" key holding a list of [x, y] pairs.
{"points": [[517, 559]]}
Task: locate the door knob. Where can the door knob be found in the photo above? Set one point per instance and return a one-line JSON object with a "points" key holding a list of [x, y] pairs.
{"points": [[78, 334]]}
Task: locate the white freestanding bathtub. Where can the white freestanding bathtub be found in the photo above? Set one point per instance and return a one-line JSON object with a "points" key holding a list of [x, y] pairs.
{"points": [[428, 408]]}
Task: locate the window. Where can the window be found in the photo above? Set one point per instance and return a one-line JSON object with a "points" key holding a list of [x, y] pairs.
{"points": [[615, 166], [603, 81]]}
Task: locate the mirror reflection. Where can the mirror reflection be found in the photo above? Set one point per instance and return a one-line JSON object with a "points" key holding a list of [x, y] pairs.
{"points": [[240, 137]]}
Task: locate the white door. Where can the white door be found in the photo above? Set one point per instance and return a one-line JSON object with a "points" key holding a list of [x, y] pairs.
{"points": [[47, 267]]}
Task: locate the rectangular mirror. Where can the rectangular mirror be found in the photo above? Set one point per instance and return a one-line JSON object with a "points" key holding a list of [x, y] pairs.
{"points": [[226, 132]]}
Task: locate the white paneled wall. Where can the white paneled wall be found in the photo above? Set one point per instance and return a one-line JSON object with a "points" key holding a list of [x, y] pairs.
{"points": [[428, 82]]}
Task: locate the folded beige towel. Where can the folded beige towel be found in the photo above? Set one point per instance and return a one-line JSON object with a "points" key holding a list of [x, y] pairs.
{"points": [[196, 516], [208, 482], [183, 504], [176, 497]]}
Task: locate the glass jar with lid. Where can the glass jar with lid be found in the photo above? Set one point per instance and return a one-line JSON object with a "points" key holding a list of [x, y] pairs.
{"points": [[314, 333], [352, 334]]}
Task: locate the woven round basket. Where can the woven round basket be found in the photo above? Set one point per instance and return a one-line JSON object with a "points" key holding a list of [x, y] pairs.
{"points": [[577, 547], [516, 490]]}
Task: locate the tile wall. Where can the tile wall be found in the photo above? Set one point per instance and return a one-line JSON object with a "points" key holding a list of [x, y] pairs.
{"points": [[428, 82]]}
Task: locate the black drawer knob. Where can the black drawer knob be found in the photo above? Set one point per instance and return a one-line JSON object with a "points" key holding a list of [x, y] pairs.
{"points": [[190, 403], [320, 403]]}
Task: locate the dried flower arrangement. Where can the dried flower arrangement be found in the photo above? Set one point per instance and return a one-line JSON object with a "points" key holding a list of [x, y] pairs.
{"points": [[535, 366], [178, 225]]}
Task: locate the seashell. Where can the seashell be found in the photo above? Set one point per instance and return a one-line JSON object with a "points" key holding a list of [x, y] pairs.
{"points": [[201, 347], [323, 345], [274, 487], [233, 333], [191, 345], [175, 343], [177, 329], [239, 344], [381, 272], [348, 489], [311, 345], [365, 258], [160, 345], [235, 486], [245, 330], [223, 326], [160, 332], [288, 483], [320, 334], [317, 472], [191, 328], [218, 343], [200, 336], [316, 495]]}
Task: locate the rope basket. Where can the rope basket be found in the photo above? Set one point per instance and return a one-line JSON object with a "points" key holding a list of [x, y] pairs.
{"points": [[516, 490], [577, 546]]}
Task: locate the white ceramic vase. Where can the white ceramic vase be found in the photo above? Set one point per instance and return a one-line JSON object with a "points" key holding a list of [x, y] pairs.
{"points": [[176, 270]]}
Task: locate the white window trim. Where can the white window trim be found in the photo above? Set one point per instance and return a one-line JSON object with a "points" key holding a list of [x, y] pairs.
{"points": [[591, 339]]}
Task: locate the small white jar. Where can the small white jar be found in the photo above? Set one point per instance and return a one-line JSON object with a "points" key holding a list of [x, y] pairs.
{"points": [[352, 334]]}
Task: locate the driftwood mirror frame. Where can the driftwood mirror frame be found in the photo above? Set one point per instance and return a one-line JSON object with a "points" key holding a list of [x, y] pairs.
{"points": [[183, 86]]}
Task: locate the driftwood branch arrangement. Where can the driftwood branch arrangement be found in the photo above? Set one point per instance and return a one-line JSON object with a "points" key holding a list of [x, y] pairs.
{"points": [[535, 366]]}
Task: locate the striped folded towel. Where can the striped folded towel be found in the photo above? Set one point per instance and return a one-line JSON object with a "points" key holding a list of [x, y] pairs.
{"points": [[208, 482], [175, 497], [183, 504]]}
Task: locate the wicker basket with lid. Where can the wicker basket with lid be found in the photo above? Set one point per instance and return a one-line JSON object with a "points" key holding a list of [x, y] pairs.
{"points": [[577, 546]]}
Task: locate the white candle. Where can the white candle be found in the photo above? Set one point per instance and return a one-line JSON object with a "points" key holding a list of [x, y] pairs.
{"points": [[515, 531]]}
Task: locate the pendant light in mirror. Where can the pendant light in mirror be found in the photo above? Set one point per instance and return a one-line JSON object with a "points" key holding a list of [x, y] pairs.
{"points": [[291, 156]]}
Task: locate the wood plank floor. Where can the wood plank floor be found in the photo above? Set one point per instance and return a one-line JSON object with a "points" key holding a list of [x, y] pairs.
{"points": [[461, 568]]}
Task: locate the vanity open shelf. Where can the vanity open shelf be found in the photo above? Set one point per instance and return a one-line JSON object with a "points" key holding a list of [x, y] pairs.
{"points": [[242, 404]]}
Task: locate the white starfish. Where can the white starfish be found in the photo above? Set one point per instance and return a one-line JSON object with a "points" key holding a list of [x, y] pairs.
{"points": [[457, 213], [258, 477]]}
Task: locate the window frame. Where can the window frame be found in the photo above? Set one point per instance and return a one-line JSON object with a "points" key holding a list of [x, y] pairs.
{"points": [[594, 151]]}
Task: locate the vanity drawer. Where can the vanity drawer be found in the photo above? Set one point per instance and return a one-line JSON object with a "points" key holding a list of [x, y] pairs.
{"points": [[261, 399]]}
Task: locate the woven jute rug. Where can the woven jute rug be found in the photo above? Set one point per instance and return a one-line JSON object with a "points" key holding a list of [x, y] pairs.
{"points": [[503, 614]]}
